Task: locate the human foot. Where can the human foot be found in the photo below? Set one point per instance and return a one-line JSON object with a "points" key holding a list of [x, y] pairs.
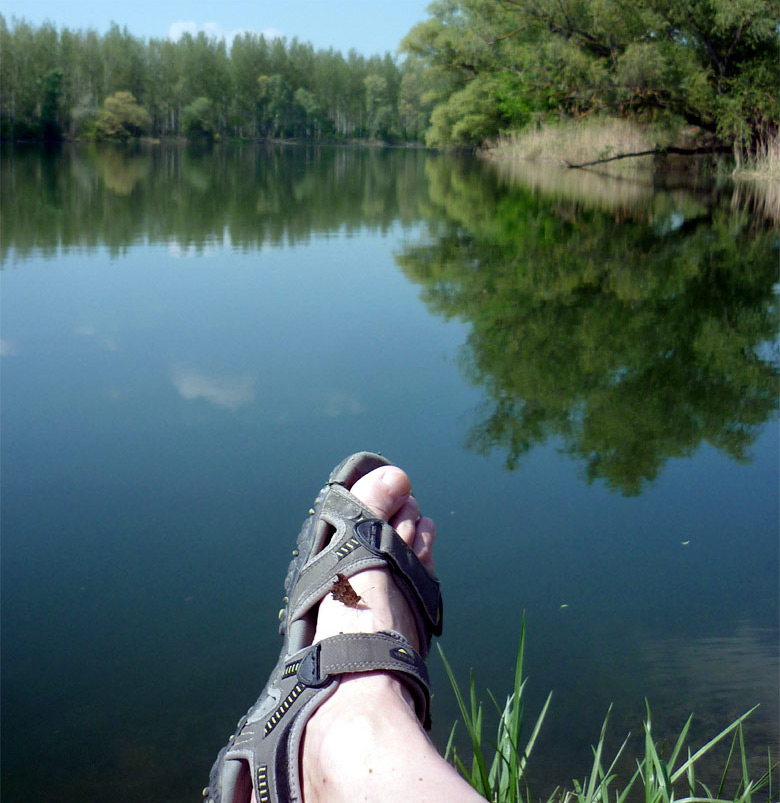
{"points": [[326, 645], [382, 606], [365, 742]]}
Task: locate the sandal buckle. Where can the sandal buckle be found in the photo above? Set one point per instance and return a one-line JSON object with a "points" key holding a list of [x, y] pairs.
{"points": [[369, 531], [309, 669]]}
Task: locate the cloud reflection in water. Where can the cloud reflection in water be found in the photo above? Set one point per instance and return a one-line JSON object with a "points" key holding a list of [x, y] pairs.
{"points": [[230, 392]]}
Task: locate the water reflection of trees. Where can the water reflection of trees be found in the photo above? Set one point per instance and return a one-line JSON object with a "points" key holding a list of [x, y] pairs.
{"points": [[633, 328], [632, 336], [93, 195]]}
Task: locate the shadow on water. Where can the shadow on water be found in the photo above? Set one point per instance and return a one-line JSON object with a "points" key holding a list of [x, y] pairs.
{"points": [[632, 323]]}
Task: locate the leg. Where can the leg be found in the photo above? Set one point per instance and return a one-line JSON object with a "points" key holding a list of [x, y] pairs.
{"points": [[365, 742]]}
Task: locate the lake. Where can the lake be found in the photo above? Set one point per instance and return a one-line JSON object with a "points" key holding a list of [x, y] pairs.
{"points": [[578, 372]]}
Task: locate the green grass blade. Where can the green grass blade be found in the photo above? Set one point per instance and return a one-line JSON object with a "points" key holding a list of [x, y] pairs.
{"points": [[450, 741], [532, 739], [505, 781], [745, 778], [473, 727], [515, 724], [702, 750], [624, 794], [722, 784], [704, 786], [597, 760], [679, 743], [690, 775], [462, 768]]}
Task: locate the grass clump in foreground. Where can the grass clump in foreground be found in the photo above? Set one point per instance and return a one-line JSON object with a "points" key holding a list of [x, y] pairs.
{"points": [[498, 769]]}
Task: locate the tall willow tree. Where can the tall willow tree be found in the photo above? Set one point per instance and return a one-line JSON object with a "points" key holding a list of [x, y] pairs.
{"points": [[492, 63]]}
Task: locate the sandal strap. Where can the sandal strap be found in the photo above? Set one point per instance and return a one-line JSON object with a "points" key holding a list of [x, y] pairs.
{"points": [[386, 651], [364, 542]]}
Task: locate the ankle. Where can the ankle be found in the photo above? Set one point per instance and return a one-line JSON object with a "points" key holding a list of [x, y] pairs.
{"points": [[362, 699], [351, 729]]}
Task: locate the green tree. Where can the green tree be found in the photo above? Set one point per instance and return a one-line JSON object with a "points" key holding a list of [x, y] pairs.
{"points": [[122, 118], [379, 113], [248, 60], [52, 92], [123, 61], [306, 103], [711, 63], [275, 102], [198, 120], [415, 101], [29, 59]]}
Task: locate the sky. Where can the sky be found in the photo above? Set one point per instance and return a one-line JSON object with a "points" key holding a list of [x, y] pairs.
{"points": [[368, 26]]}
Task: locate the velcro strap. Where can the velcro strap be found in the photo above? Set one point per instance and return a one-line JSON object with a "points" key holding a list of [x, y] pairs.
{"points": [[380, 539], [369, 652]]}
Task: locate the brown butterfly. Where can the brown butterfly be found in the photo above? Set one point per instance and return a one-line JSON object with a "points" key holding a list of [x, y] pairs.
{"points": [[343, 592]]}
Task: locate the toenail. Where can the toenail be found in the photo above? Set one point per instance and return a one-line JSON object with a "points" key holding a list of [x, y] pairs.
{"points": [[390, 477]]}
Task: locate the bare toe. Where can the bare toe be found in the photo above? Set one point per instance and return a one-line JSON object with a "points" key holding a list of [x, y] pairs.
{"points": [[385, 496], [425, 535], [405, 521]]}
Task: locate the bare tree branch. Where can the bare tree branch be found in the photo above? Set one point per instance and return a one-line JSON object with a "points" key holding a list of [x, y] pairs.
{"points": [[653, 152]]}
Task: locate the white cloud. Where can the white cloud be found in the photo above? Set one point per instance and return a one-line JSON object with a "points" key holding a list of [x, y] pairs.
{"points": [[7, 348], [339, 404], [108, 342], [272, 33], [230, 392], [178, 29], [214, 30]]}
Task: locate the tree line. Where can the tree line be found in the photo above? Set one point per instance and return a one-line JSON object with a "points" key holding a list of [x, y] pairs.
{"points": [[81, 84], [472, 70]]}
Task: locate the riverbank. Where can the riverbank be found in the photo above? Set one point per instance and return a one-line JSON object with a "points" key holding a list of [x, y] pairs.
{"points": [[576, 143], [626, 149], [763, 164]]}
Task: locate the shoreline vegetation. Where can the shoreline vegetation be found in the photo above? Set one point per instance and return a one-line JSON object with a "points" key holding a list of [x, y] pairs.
{"points": [[572, 143], [600, 143], [668, 771]]}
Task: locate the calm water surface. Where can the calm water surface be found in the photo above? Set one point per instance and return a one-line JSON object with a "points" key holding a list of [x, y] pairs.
{"points": [[579, 375]]}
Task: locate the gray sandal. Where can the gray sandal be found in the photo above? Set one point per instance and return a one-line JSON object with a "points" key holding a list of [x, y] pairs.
{"points": [[267, 740]]}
